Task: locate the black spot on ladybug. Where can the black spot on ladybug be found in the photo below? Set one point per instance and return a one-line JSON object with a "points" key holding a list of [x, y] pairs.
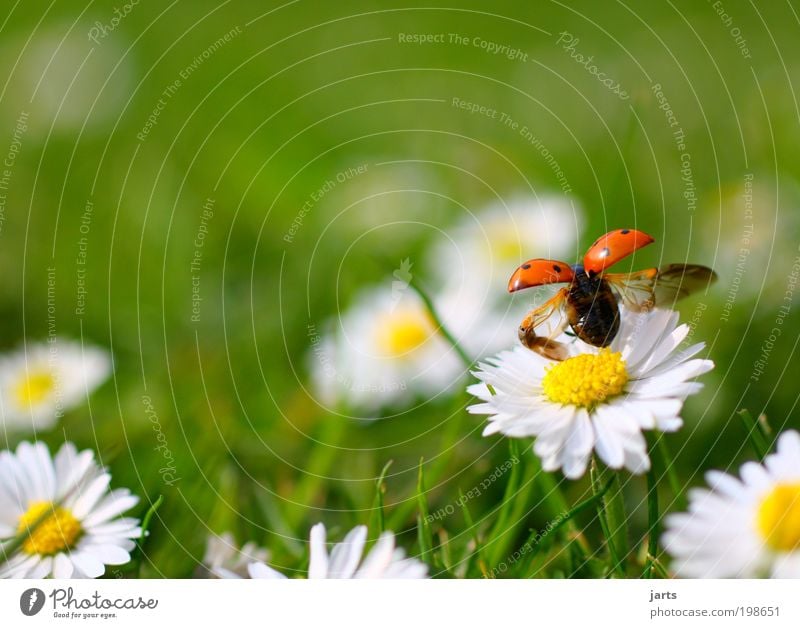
{"points": [[526, 266], [557, 268], [625, 231], [605, 252]]}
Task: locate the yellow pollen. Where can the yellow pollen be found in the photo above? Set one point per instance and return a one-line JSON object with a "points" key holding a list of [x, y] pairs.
{"points": [[403, 331], [779, 518], [586, 380], [57, 529], [35, 387]]}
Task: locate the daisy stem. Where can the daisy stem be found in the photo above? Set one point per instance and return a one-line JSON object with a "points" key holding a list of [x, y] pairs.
{"points": [[653, 519], [614, 530], [136, 560], [440, 326], [669, 468], [537, 536]]}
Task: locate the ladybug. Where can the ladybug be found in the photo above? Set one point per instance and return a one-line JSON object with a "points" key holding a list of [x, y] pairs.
{"points": [[590, 303]]}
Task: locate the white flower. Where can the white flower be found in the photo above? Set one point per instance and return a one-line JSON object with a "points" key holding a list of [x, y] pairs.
{"points": [[479, 254], [61, 515], [597, 399], [384, 560], [38, 383], [224, 560], [743, 527], [387, 351]]}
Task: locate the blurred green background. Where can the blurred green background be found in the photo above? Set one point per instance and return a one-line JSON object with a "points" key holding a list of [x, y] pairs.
{"points": [[252, 106]]}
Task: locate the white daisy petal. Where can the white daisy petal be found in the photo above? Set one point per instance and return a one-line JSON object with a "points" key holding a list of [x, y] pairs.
{"points": [[223, 558], [114, 503], [379, 558], [260, 570], [62, 566], [609, 444], [743, 527], [384, 560], [68, 513], [571, 412], [88, 563], [318, 563], [40, 381], [87, 497], [346, 555]]}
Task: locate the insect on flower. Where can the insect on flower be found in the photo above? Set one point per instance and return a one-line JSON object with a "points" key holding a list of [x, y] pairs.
{"points": [[590, 303]]}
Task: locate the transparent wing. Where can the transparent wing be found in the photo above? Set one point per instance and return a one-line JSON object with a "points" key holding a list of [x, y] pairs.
{"points": [[553, 312], [659, 287]]}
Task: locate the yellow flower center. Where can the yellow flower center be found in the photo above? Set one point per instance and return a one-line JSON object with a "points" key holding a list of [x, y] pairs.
{"points": [[505, 243], [35, 387], [403, 331], [779, 518], [57, 529], [586, 380]]}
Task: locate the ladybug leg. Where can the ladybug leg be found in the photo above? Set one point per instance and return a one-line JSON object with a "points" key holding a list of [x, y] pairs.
{"points": [[546, 346]]}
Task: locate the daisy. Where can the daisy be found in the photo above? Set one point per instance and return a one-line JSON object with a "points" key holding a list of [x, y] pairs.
{"points": [[58, 517], [743, 527], [596, 399], [38, 383], [483, 249], [384, 560], [224, 560], [386, 350]]}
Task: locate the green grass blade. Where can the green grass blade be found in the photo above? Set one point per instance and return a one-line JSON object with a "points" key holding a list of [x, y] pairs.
{"points": [[758, 433], [538, 538], [653, 522], [603, 516], [378, 515], [424, 533], [473, 530]]}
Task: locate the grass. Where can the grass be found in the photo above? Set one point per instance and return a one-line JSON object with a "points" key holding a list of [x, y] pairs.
{"points": [[260, 127]]}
